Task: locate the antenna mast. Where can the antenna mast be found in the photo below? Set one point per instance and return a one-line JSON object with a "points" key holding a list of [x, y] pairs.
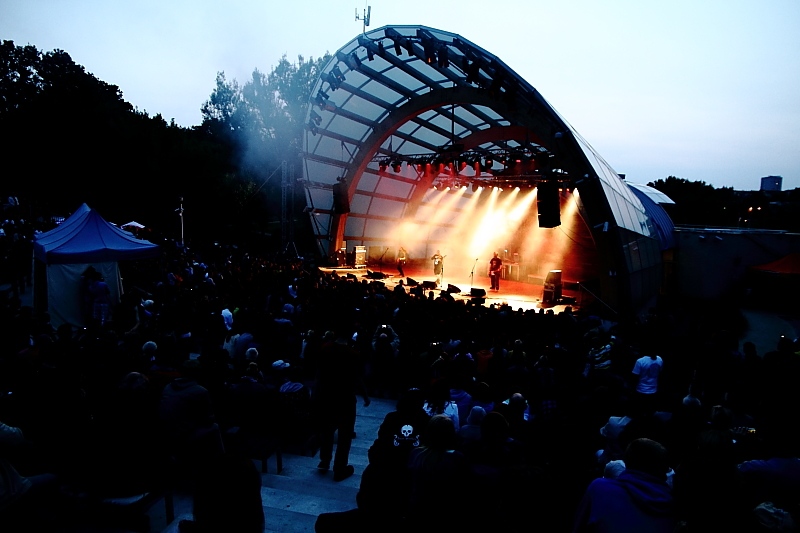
{"points": [[364, 17]]}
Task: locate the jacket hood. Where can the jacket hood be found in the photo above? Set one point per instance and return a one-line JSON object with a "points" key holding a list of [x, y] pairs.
{"points": [[650, 494]]}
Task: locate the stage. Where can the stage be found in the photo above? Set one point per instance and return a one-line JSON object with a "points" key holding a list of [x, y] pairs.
{"points": [[517, 294]]}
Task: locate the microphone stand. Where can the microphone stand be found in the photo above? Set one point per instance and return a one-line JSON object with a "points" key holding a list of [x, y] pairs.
{"points": [[472, 274], [380, 261]]}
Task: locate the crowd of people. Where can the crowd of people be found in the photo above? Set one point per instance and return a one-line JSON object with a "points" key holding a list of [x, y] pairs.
{"points": [[522, 420]]}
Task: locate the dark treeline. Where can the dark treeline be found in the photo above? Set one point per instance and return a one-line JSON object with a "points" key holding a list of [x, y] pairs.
{"points": [[70, 138], [697, 203]]}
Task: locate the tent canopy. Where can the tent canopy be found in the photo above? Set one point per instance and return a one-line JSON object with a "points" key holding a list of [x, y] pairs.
{"points": [[85, 237]]}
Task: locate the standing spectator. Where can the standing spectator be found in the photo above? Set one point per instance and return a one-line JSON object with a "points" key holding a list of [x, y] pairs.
{"points": [[334, 397], [647, 370], [383, 363], [101, 300]]}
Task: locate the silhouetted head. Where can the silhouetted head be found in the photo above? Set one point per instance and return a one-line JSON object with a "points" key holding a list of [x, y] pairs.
{"points": [[647, 456], [441, 433]]}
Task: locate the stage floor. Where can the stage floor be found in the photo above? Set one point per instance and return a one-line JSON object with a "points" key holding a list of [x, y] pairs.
{"points": [[516, 294]]}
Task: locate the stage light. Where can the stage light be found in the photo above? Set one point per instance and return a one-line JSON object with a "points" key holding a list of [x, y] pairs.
{"points": [[397, 166], [381, 49], [494, 88], [370, 55], [316, 118], [353, 61], [430, 52], [472, 70], [444, 60], [333, 81], [312, 127], [397, 50], [321, 99], [383, 165]]}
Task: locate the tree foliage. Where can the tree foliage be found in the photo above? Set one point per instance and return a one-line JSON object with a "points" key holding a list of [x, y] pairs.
{"points": [[264, 118], [262, 122]]}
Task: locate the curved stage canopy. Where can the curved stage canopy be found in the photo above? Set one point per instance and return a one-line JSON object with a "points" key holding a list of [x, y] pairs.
{"points": [[418, 138]]}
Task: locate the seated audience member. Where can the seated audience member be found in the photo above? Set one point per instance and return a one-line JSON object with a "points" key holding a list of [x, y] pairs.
{"points": [[125, 456], [496, 449], [401, 431], [439, 479], [251, 405], [470, 432], [440, 403], [187, 417], [706, 488], [385, 482], [517, 414], [461, 397], [614, 445], [777, 477], [482, 396], [638, 500], [19, 492]]}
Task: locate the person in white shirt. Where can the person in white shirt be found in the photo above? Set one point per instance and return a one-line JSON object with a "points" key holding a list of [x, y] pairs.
{"points": [[647, 369]]}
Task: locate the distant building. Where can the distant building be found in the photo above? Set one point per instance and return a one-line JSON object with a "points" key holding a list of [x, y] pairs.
{"points": [[771, 183]]}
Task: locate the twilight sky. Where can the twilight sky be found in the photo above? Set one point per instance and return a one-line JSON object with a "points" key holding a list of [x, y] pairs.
{"points": [[703, 90]]}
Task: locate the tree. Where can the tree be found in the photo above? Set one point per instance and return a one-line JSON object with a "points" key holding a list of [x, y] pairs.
{"points": [[263, 120], [220, 110], [20, 81], [70, 138]]}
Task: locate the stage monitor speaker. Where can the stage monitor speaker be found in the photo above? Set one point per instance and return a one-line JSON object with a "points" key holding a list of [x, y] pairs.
{"points": [[476, 292], [351, 276], [411, 282], [453, 289], [429, 285], [552, 287], [375, 275]]}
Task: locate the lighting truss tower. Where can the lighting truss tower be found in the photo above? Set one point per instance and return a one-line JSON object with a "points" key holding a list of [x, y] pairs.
{"points": [[287, 208]]}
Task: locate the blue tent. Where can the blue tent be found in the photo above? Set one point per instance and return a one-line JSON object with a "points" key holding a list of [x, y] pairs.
{"points": [[63, 254], [85, 237]]}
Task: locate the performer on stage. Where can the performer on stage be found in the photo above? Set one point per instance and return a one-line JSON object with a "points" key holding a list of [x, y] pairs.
{"points": [[401, 261], [495, 269], [438, 266]]}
